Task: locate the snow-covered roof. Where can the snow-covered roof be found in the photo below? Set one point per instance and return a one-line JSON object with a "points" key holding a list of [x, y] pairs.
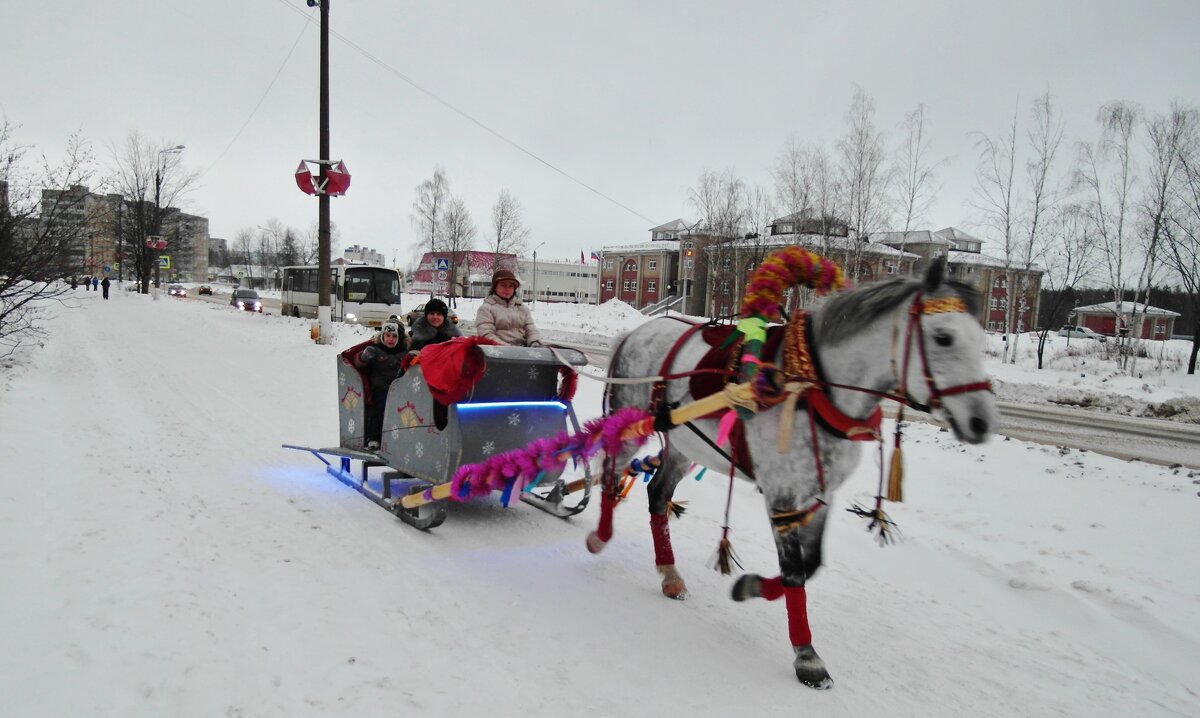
{"points": [[818, 242], [956, 235], [977, 259], [677, 225], [921, 236], [662, 245], [1127, 308]]}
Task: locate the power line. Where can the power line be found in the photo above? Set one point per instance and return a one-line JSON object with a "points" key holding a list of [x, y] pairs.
{"points": [[271, 84], [470, 118]]}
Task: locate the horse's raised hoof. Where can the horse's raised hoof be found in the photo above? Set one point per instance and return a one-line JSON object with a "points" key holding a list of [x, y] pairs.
{"points": [[672, 583], [810, 669], [748, 586], [595, 544]]}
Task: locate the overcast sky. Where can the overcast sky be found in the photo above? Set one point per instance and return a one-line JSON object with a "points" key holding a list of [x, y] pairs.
{"points": [[634, 99]]}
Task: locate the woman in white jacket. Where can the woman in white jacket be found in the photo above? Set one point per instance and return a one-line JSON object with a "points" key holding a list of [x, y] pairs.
{"points": [[503, 317]]}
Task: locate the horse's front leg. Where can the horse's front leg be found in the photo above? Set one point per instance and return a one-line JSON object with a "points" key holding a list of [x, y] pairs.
{"points": [[659, 493], [798, 543], [609, 489]]}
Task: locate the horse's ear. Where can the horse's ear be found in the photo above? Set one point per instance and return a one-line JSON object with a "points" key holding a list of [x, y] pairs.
{"points": [[935, 275]]}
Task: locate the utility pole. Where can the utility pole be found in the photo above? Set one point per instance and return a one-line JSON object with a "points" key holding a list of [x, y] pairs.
{"points": [[324, 311]]}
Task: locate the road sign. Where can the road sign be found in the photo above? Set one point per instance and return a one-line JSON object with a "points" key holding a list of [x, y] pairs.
{"points": [[107, 269], [241, 275], [164, 262], [442, 264], [441, 275]]}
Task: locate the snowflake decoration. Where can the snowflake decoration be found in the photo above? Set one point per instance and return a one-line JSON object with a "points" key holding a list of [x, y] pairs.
{"points": [[416, 383], [395, 433], [419, 450], [489, 448], [514, 419], [350, 427], [341, 378], [533, 373]]}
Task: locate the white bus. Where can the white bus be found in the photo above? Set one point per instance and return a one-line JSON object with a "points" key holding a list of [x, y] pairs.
{"points": [[360, 294]]}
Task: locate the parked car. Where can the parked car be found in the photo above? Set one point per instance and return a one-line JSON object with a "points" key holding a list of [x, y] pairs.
{"points": [[1070, 330], [419, 312], [204, 289], [247, 300], [176, 290]]}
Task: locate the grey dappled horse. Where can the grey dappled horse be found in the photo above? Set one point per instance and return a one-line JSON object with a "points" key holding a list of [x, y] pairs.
{"points": [[859, 339]]}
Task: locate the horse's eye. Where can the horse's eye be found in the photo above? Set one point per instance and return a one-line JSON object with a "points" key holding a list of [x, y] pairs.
{"points": [[943, 340]]}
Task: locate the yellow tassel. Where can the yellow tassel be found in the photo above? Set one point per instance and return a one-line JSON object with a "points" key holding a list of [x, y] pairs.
{"points": [[895, 489]]}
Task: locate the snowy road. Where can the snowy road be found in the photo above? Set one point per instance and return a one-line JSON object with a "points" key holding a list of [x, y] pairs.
{"points": [[163, 556]]}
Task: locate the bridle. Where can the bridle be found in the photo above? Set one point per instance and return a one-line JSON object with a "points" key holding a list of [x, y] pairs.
{"points": [[914, 330]]}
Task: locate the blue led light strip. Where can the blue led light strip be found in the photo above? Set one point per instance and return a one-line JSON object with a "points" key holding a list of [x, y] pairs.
{"points": [[512, 404]]}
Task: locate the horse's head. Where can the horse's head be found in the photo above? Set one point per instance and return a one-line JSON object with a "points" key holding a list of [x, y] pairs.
{"points": [[943, 353]]}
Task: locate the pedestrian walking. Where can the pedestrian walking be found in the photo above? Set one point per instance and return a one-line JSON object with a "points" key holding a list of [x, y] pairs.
{"points": [[104, 285], [87, 283], [95, 283], [74, 283]]}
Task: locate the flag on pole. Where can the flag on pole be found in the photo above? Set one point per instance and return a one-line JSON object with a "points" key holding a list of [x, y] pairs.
{"points": [[581, 259], [595, 256]]}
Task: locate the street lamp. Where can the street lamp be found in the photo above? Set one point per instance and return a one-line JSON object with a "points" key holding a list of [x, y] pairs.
{"points": [[535, 249], [159, 244]]}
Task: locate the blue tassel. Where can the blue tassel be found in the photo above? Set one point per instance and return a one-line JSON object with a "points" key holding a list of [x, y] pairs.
{"points": [[536, 480], [507, 493], [701, 474]]}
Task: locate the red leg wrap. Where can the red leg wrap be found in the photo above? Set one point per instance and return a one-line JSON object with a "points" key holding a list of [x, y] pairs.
{"points": [[607, 502], [663, 555], [797, 610], [771, 588]]}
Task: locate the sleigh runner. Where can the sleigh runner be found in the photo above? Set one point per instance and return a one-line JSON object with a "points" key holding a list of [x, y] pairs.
{"points": [[504, 397]]}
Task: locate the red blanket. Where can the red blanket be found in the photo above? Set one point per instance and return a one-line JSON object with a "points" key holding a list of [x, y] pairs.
{"points": [[452, 368]]}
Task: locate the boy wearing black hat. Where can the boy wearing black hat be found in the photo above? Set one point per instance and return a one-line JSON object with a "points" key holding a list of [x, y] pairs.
{"points": [[381, 360], [433, 327]]}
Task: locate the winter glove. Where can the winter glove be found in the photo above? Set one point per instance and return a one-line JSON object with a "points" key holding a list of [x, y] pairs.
{"points": [[369, 354]]}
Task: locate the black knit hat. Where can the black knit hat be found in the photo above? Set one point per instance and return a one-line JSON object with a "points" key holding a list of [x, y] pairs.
{"points": [[438, 306]]}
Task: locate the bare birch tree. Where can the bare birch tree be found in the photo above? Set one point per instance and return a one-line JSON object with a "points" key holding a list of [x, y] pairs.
{"points": [[1181, 230], [458, 238], [795, 183], [719, 199], [509, 233], [914, 173], [1107, 173], [150, 177], [1166, 141], [243, 249], [1044, 192], [864, 179], [1070, 258], [428, 212], [41, 233], [995, 198]]}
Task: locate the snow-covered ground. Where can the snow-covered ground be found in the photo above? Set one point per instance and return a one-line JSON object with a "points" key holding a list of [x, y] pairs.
{"points": [[162, 555]]}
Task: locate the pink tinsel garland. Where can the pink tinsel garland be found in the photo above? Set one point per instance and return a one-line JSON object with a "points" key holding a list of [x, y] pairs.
{"points": [[605, 434]]}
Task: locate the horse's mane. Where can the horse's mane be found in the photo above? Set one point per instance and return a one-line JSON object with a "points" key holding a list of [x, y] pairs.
{"points": [[843, 315]]}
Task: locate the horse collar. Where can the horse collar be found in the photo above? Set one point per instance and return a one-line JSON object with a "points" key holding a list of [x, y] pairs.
{"points": [[800, 363]]}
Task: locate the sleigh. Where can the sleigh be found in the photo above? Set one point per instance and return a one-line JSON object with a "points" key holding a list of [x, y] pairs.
{"points": [[517, 399]]}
